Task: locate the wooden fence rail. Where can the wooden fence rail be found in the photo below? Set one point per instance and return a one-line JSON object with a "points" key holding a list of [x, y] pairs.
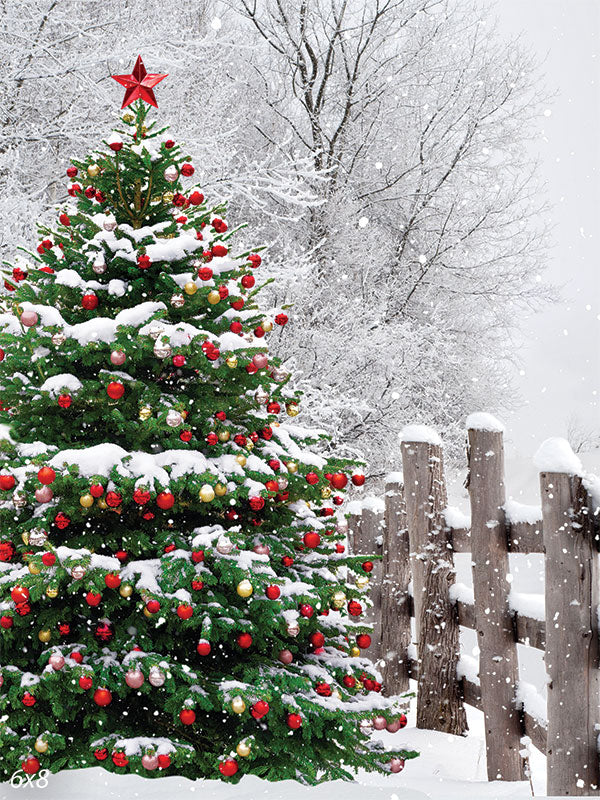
{"points": [[418, 545]]}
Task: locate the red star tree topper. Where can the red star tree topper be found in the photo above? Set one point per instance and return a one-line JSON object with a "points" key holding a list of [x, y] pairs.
{"points": [[139, 84]]}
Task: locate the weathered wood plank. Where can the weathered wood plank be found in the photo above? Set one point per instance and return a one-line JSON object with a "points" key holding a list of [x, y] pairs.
{"points": [[523, 537], [439, 704], [572, 580], [498, 664], [396, 602]]}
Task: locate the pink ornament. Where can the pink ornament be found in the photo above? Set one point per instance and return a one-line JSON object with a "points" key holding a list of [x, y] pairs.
{"points": [[394, 727], [117, 357], [396, 764], [44, 494], [260, 360], [286, 656], [29, 318], [1, 679], [56, 661], [379, 723], [134, 678], [262, 549], [149, 761]]}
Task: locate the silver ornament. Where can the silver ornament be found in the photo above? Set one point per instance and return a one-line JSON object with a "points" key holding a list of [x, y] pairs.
{"points": [[156, 677], [224, 546], [177, 300], [366, 726], [293, 628], [171, 173], [109, 224], [99, 267], [37, 537], [261, 396], [162, 349], [174, 419], [59, 338], [342, 528], [279, 375], [19, 499], [283, 483], [78, 572], [155, 332]]}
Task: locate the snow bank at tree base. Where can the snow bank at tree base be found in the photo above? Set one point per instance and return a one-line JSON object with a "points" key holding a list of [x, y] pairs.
{"points": [[449, 767]]}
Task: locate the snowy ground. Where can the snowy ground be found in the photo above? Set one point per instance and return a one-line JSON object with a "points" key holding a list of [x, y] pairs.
{"points": [[449, 767]]}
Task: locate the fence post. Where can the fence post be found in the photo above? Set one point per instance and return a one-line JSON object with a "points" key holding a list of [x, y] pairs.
{"points": [[395, 599], [498, 663], [572, 581], [439, 703]]}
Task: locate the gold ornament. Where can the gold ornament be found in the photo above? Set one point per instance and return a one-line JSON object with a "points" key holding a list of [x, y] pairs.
{"points": [[362, 581], [145, 412], [354, 652], [168, 197], [147, 613], [51, 592], [206, 493], [292, 467], [338, 600], [190, 288], [34, 569], [220, 490], [45, 635], [244, 588], [102, 504], [267, 326], [237, 705], [241, 460], [25, 537], [360, 685], [144, 130], [243, 749], [128, 118], [325, 492], [125, 590], [249, 445], [40, 746], [292, 409], [214, 298], [93, 170], [86, 501], [337, 694], [231, 362]]}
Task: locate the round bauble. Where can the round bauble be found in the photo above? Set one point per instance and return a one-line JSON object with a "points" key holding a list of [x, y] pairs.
{"points": [[86, 501], [228, 767], [177, 301], [117, 357], [285, 656], [126, 590], [156, 677], [338, 600], [41, 746], [173, 418], [379, 723], [187, 716], [134, 678], [29, 319], [150, 761], [220, 490], [293, 629], [162, 349], [396, 764], [203, 647], [30, 765], [244, 588], [102, 697], [243, 749], [207, 494], [190, 288], [145, 413], [56, 661], [224, 545], [171, 174]]}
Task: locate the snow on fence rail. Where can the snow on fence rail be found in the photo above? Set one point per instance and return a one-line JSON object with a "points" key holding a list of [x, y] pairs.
{"points": [[417, 535]]}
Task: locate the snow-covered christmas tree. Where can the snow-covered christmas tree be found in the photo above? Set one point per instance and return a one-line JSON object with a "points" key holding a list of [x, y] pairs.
{"points": [[176, 595]]}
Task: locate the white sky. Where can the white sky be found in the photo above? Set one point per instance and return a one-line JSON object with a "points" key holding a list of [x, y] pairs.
{"points": [[561, 361]]}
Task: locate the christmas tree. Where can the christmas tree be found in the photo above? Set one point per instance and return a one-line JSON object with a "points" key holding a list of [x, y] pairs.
{"points": [[176, 596]]}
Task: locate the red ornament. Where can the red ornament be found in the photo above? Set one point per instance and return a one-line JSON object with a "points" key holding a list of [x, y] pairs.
{"points": [[30, 765], [213, 354], [312, 478], [255, 260], [187, 716], [306, 610], [244, 640], [185, 436], [256, 503], [119, 759], [169, 144], [101, 754], [205, 273], [272, 486], [358, 479], [203, 647], [273, 408], [139, 84], [248, 281], [238, 304], [93, 598], [187, 170], [143, 261], [287, 561], [219, 225], [184, 611], [62, 521], [251, 368], [197, 585], [164, 761], [76, 656], [337, 500], [324, 689], [260, 709], [48, 559], [141, 496], [89, 302], [267, 432], [85, 681], [7, 551], [6, 622], [273, 592], [196, 198], [65, 400], [317, 639], [240, 440], [121, 555], [89, 192], [7, 482], [259, 332], [402, 720], [102, 697], [218, 251], [28, 699], [115, 390], [363, 640], [281, 319], [96, 490], [64, 628], [165, 500], [46, 475], [354, 608], [179, 361], [64, 219], [112, 580], [367, 566], [168, 548], [19, 594], [312, 539], [274, 464], [236, 327], [74, 189], [71, 172], [23, 609], [349, 681], [152, 606], [228, 767], [294, 721], [339, 480]]}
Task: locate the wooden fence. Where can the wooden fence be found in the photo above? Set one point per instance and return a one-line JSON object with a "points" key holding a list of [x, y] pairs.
{"points": [[416, 578]]}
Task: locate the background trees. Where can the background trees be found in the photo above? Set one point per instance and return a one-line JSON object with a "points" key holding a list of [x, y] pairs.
{"points": [[379, 147]]}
